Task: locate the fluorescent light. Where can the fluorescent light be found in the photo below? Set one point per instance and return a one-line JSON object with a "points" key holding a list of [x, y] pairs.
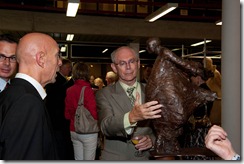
{"points": [[69, 37], [63, 49], [175, 49], [142, 51], [72, 8], [218, 23], [161, 11], [105, 50], [200, 43]]}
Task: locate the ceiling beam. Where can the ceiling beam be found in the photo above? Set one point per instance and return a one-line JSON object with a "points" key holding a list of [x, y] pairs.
{"points": [[102, 25]]}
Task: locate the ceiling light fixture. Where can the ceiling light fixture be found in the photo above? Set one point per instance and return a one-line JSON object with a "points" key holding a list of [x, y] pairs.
{"points": [[175, 49], [218, 23], [161, 12], [105, 50], [200, 43], [63, 49], [69, 37], [72, 8], [142, 51]]}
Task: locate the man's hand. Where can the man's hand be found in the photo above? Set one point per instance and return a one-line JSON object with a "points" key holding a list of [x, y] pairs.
{"points": [[217, 141], [149, 110]]}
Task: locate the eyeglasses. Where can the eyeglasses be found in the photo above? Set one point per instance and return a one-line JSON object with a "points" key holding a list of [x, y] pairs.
{"points": [[12, 59], [124, 63]]}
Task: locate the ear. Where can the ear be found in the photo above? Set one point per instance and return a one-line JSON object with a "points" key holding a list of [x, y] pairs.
{"points": [[138, 63], [113, 67], [40, 59]]}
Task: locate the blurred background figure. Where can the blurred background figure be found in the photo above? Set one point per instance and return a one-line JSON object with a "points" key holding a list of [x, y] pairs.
{"points": [[111, 78], [146, 73], [92, 78], [214, 83], [99, 83], [55, 103]]}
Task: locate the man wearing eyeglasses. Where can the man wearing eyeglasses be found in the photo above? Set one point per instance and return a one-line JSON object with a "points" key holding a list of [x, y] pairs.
{"points": [[8, 63], [123, 113]]}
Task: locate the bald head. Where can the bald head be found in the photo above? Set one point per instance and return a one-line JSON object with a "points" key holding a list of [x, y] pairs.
{"points": [[38, 54], [32, 43]]}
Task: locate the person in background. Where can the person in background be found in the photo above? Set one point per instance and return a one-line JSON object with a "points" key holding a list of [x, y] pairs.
{"points": [[56, 93], [99, 83], [111, 78], [8, 62], [26, 131], [214, 83], [216, 140], [120, 113], [84, 144], [94, 87], [146, 73], [92, 78]]}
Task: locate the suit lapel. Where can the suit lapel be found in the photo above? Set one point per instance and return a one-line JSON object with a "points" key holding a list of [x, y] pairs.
{"points": [[121, 98], [28, 86]]}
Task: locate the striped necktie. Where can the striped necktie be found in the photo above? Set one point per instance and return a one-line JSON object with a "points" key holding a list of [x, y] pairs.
{"points": [[130, 93]]}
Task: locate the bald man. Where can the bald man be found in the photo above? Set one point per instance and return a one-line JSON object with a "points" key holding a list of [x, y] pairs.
{"points": [[25, 128]]}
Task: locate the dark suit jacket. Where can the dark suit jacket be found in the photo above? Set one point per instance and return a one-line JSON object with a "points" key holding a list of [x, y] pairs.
{"points": [[25, 128], [55, 104], [112, 104]]}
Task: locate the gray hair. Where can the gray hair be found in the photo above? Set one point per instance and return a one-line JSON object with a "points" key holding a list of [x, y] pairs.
{"points": [[113, 54]]}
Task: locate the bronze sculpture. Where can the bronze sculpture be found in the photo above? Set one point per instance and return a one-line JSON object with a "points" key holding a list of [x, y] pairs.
{"points": [[170, 85]]}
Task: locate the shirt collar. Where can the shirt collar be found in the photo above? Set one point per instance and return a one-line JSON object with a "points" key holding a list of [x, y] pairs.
{"points": [[125, 86], [3, 84], [35, 83], [137, 88]]}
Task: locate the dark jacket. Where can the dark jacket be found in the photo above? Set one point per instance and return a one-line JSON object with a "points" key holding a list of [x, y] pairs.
{"points": [[25, 128], [56, 93]]}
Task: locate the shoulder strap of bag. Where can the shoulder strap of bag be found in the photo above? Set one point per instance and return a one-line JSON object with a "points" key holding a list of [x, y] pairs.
{"points": [[81, 100]]}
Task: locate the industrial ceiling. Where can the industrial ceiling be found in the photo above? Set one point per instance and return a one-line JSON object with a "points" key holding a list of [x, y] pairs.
{"points": [[197, 11]]}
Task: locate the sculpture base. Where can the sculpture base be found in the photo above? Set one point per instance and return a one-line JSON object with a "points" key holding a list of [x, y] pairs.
{"points": [[185, 152]]}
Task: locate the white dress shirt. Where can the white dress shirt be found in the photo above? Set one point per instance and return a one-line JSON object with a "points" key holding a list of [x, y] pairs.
{"points": [[35, 83]]}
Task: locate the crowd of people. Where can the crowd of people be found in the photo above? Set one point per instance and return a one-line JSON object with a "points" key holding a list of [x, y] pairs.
{"points": [[38, 104]]}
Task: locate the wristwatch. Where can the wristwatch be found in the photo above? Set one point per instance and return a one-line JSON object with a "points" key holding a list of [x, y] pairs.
{"points": [[236, 157]]}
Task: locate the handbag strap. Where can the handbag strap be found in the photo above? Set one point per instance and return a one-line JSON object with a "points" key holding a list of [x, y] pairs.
{"points": [[81, 100]]}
